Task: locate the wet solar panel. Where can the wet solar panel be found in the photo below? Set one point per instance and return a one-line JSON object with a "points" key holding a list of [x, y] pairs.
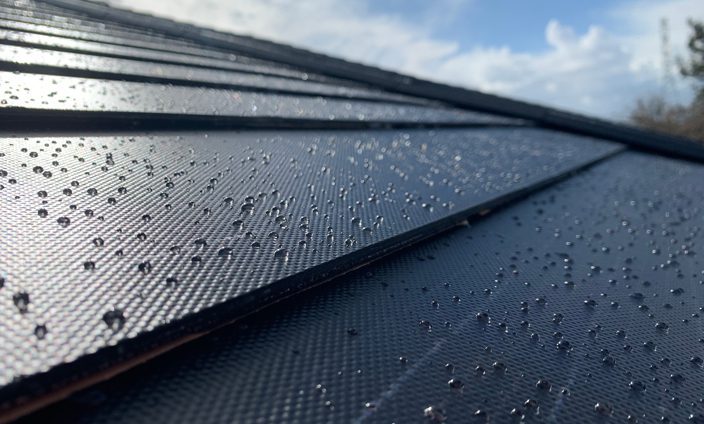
{"points": [[111, 50], [34, 94], [110, 238], [30, 60], [581, 303], [64, 19], [87, 25], [160, 180], [121, 41]]}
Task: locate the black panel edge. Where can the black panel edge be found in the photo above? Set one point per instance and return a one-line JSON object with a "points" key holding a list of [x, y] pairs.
{"points": [[117, 76], [395, 82], [17, 119], [31, 393]]}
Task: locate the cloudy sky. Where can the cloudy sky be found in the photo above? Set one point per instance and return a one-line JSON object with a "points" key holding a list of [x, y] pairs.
{"points": [[595, 57]]}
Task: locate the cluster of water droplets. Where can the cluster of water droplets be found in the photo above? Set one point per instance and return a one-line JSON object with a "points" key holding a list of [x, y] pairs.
{"points": [[150, 218], [598, 314]]}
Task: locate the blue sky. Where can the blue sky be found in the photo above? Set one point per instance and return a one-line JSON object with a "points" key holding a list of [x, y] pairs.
{"points": [[594, 57], [518, 24]]}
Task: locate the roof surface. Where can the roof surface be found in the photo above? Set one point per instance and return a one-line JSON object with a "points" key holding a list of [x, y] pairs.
{"points": [[160, 181]]}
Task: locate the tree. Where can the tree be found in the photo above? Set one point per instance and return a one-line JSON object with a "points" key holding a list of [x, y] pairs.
{"points": [[694, 68], [657, 114]]}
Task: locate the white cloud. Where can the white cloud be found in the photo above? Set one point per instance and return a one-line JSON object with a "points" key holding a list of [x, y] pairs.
{"points": [[600, 72]]}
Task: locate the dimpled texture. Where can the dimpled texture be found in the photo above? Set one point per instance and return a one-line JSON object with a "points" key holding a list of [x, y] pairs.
{"points": [[382, 344], [109, 67], [30, 92], [108, 237], [129, 51]]}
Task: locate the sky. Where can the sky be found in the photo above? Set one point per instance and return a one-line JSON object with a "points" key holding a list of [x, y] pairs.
{"points": [[594, 57]]}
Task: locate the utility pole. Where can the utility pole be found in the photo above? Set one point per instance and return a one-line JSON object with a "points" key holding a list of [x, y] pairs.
{"points": [[666, 57]]}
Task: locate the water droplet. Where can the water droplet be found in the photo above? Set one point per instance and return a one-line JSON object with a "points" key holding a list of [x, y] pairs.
{"points": [[530, 404], [543, 384], [21, 301], [145, 267], [281, 254], [225, 252], [455, 383], [434, 414], [114, 319], [564, 345], [636, 386], [602, 408], [89, 265], [499, 366], [40, 331], [64, 221], [43, 213], [98, 242], [677, 378], [426, 325], [661, 326], [609, 361]]}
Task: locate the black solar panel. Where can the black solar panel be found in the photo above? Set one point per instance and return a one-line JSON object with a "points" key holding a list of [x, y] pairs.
{"points": [[579, 304], [31, 60], [50, 94], [159, 181], [132, 233], [111, 50]]}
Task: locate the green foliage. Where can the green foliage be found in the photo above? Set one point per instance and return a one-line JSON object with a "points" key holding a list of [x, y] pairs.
{"points": [[694, 67]]}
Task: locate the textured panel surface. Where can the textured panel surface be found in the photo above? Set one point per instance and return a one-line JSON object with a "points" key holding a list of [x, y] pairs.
{"points": [[579, 304], [112, 50], [86, 26], [71, 94], [142, 42], [107, 238], [12, 57]]}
